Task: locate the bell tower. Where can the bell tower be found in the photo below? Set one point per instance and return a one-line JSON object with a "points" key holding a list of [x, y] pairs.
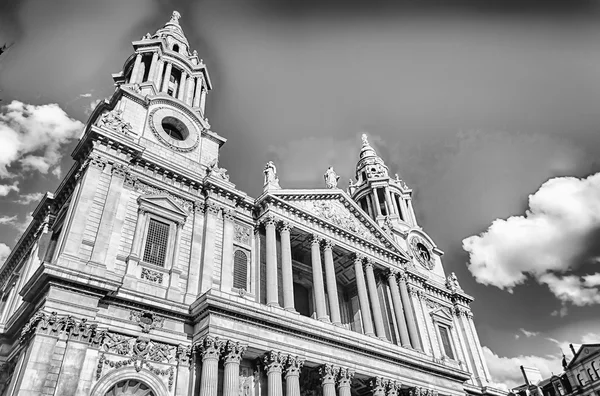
{"points": [[387, 200]]}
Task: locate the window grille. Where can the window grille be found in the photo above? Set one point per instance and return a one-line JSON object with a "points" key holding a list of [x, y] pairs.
{"points": [[240, 270], [156, 243], [445, 335]]}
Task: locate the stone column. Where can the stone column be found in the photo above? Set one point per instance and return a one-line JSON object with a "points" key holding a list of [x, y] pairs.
{"points": [[363, 299], [374, 297], [412, 212], [273, 362], [208, 256], [271, 259], [203, 100], [292, 375], [408, 312], [197, 90], [140, 226], [136, 69], [345, 381], [317, 274], [182, 82], [211, 350], [388, 200], [158, 75], [334, 304], [153, 65], [378, 386], [195, 253], [328, 374], [398, 311], [395, 203], [167, 77], [174, 292], [227, 253], [231, 361], [370, 205], [286, 267], [404, 210], [376, 203]]}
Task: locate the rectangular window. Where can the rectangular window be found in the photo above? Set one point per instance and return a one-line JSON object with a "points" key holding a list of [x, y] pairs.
{"points": [[156, 243], [446, 344]]}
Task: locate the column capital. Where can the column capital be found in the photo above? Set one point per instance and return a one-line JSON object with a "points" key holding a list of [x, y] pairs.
{"points": [[269, 220], [210, 348], [368, 264], [401, 275], [228, 214], [345, 377], [393, 387], [315, 239], [358, 258], [212, 207], [120, 170], [328, 244], [199, 206], [328, 373], [378, 385], [274, 361], [233, 351], [293, 365], [285, 226], [391, 274]]}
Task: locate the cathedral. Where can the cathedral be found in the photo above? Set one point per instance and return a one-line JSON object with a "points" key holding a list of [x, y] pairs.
{"points": [[147, 272]]}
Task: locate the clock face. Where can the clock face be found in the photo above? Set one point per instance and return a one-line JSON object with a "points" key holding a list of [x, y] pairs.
{"points": [[422, 251]]}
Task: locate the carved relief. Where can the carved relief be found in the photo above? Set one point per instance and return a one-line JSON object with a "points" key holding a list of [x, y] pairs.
{"points": [[152, 276], [146, 320], [113, 120], [241, 234], [214, 170], [151, 190], [233, 351], [452, 283], [80, 329]]}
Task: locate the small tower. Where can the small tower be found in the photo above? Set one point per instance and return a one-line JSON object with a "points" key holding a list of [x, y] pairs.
{"points": [[387, 200], [162, 64]]}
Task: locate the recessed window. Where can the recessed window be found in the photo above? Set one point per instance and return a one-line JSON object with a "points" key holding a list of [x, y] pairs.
{"points": [[446, 343], [174, 128], [240, 270], [175, 47], [155, 250]]}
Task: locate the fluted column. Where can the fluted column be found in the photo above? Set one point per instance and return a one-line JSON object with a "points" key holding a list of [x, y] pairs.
{"points": [[167, 77], [153, 66], [158, 74], [370, 205], [411, 210], [345, 382], [273, 362], [211, 350], [388, 199], [363, 298], [378, 386], [231, 361], [332, 291], [374, 297], [272, 292], [203, 100], [398, 311], [182, 85], [136, 69], [408, 312], [197, 90], [328, 375], [286, 267], [376, 202], [292, 375], [317, 274]]}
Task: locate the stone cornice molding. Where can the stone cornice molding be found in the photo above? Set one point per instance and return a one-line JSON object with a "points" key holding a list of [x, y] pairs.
{"points": [[54, 324]]}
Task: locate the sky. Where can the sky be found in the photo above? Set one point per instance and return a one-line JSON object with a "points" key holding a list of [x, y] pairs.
{"points": [[488, 110]]}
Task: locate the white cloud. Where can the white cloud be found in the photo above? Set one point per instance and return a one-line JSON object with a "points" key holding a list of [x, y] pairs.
{"points": [[550, 240], [85, 95], [33, 135], [57, 171], [92, 106], [12, 220], [5, 189], [26, 199], [529, 333], [562, 312], [4, 252]]}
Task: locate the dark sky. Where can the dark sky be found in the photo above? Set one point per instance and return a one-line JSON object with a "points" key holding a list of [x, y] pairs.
{"points": [[476, 104]]}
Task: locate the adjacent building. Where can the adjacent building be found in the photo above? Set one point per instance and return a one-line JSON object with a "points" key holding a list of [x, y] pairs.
{"points": [[148, 272]]}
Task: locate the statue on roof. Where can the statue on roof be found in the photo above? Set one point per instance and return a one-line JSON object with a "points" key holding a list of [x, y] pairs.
{"points": [[331, 178], [175, 17], [214, 170], [271, 179], [365, 140], [452, 283]]}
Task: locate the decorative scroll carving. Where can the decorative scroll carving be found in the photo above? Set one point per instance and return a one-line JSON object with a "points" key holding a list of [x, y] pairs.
{"points": [[331, 178], [147, 320], [345, 378], [233, 351], [335, 213], [378, 385], [151, 190], [184, 354], [293, 365], [152, 276], [214, 170], [210, 347], [78, 329], [113, 120], [452, 283], [241, 234], [274, 361], [462, 311], [393, 388], [269, 220], [328, 373], [285, 226]]}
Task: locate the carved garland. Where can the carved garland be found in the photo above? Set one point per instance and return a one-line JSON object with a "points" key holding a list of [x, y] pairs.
{"points": [[152, 276], [146, 320]]}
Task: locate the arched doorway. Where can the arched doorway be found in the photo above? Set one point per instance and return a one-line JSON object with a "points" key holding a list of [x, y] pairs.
{"points": [[127, 381], [130, 387]]}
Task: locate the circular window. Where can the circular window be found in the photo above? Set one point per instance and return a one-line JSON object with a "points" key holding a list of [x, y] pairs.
{"points": [[175, 128]]}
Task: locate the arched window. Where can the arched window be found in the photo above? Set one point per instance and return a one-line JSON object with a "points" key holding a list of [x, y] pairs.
{"points": [[130, 388], [240, 270], [580, 380], [176, 47], [589, 371], [595, 368]]}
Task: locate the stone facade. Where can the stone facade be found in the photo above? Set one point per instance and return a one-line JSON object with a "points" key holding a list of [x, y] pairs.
{"points": [[148, 273]]}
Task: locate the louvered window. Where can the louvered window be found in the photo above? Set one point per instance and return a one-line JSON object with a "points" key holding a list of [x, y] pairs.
{"points": [[156, 243], [240, 270], [445, 336]]}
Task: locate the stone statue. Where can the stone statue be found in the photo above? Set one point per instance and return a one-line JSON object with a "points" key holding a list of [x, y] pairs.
{"points": [[365, 140], [195, 53], [271, 179], [175, 17], [147, 36], [388, 223], [114, 120], [331, 178], [397, 177], [452, 282], [214, 170]]}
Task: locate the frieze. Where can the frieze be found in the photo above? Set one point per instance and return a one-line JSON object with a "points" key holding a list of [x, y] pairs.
{"points": [[152, 276], [335, 213], [113, 120], [147, 320], [151, 190], [241, 234], [78, 329]]}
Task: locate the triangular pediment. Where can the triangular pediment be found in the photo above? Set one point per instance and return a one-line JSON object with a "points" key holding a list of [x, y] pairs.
{"points": [[338, 209], [163, 203], [442, 315], [585, 351]]}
